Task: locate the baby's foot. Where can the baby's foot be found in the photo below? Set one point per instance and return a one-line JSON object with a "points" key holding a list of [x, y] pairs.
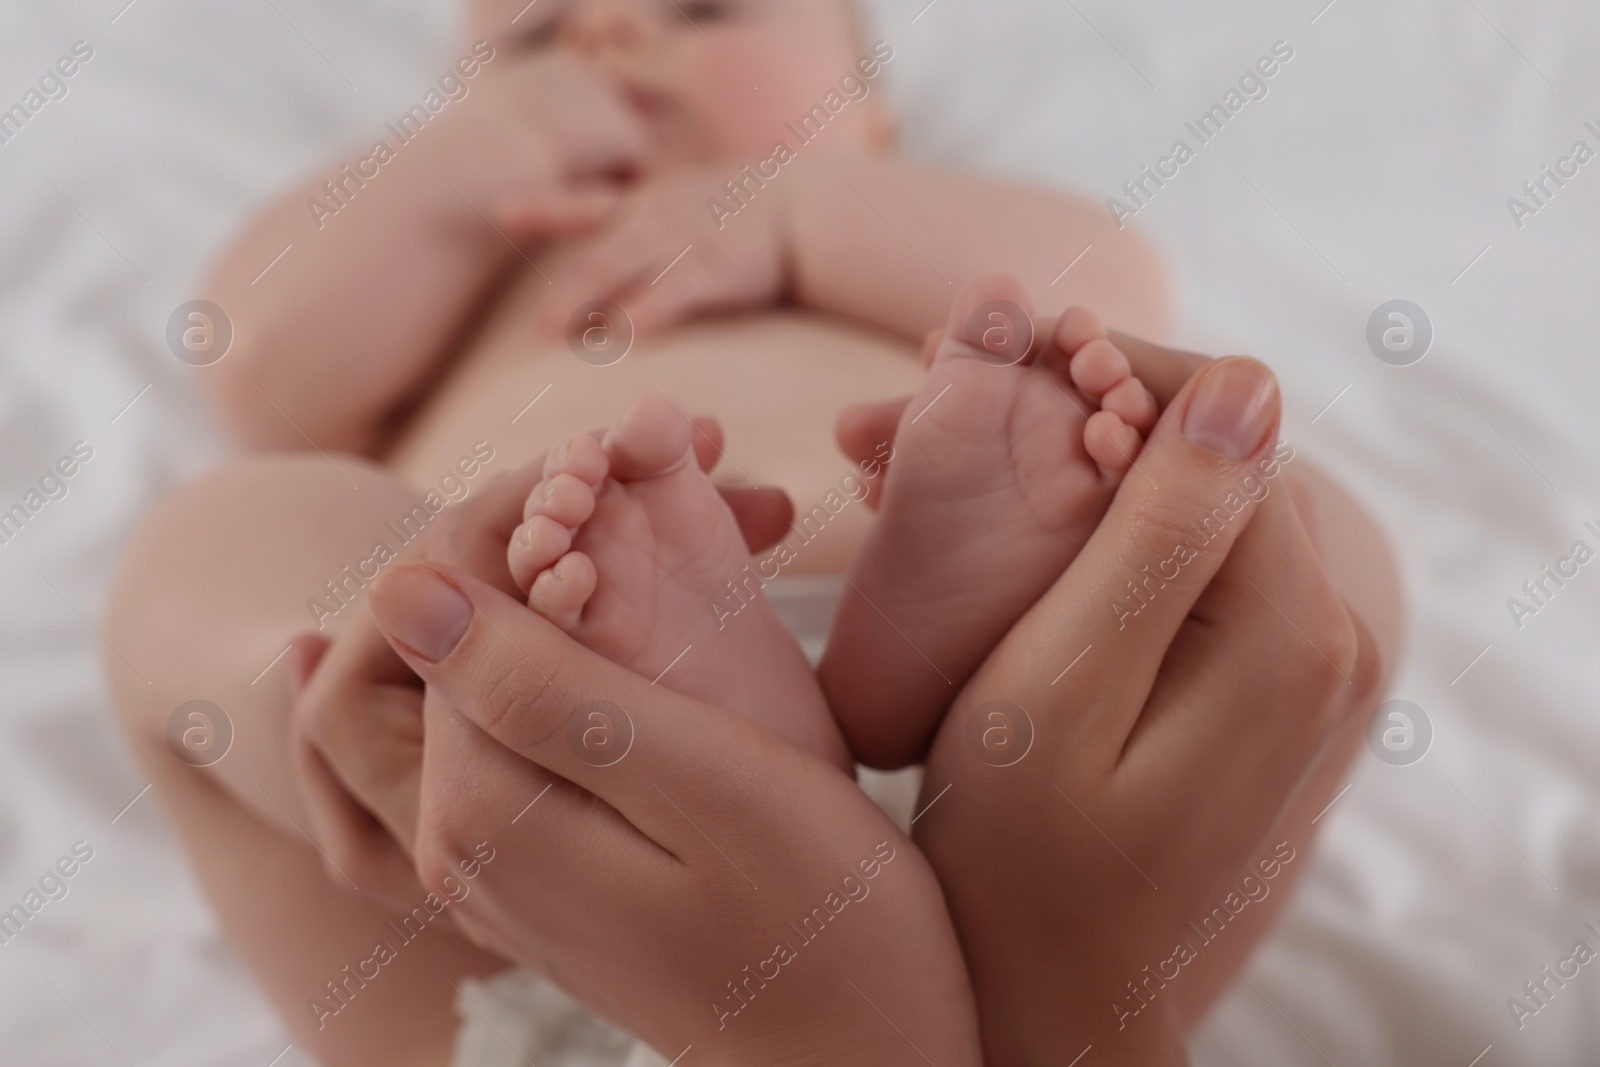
{"points": [[628, 546], [999, 476]]}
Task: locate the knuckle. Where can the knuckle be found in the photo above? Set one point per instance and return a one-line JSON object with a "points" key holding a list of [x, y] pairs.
{"points": [[322, 721], [1327, 654], [522, 707], [326, 726], [440, 842], [1337, 642], [1320, 672], [1162, 516], [1162, 521], [307, 720], [448, 835]]}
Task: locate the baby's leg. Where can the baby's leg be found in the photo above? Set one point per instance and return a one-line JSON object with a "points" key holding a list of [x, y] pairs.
{"points": [[1361, 565], [628, 546], [1004, 463], [214, 583]]}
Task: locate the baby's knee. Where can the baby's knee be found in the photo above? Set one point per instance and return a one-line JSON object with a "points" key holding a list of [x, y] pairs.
{"points": [[206, 569], [159, 581]]}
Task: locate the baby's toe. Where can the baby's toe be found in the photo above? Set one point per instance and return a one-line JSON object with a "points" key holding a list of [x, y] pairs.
{"points": [[1077, 327], [991, 320], [1132, 402], [1098, 367], [535, 545], [1111, 443], [651, 438], [560, 593], [580, 456], [565, 498]]}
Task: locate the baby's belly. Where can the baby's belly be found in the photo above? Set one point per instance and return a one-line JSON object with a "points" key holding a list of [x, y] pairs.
{"points": [[776, 380]]}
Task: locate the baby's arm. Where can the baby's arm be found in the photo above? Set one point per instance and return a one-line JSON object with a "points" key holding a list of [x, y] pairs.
{"points": [[874, 240], [878, 240], [366, 301]]}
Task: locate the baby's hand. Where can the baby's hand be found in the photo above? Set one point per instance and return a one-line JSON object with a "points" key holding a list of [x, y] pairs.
{"points": [[668, 254], [539, 131]]}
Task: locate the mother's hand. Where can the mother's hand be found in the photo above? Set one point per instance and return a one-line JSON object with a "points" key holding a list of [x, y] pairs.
{"points": [[362, 701], [1119, 762], [607, 878], [672, 865]]}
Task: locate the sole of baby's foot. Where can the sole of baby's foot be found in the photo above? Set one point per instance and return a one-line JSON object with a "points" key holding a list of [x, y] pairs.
{"points": [[627, 545], [1004, 463]]}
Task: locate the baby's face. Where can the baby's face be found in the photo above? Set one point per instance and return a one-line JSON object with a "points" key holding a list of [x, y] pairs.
{"points": [[715, 78]]}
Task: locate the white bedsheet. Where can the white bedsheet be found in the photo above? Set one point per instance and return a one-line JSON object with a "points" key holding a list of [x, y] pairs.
{"points": [[1378, 166]]}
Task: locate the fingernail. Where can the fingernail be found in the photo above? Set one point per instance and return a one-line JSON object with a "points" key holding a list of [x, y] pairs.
{"points": [[422, 611], [1233, 408]]}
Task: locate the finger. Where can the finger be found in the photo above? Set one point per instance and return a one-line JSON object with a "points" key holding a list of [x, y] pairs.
{"points": [[362, 850], [375, 750], [865, 434], [358, 850], [612, 141], [1305, 503], [1164, 371], [556, 212], [1236, 821], [708, 441], [1269, 632], [475, 791], [763, 514], [1120, 603], [534, 690], [685, 291], [1005, 332], [863, 429], [655, 305], [611, 263], [362, 659], [305, 652]]}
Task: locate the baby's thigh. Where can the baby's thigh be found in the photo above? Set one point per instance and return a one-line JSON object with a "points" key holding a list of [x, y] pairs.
{"points": [[214, 582]]}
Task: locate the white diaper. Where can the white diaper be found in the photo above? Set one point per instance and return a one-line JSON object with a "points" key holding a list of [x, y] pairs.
{"points": [[516, 1017]]}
